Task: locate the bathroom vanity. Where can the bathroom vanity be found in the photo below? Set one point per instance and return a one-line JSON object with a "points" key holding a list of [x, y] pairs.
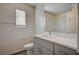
{"points": [[55, 45]]}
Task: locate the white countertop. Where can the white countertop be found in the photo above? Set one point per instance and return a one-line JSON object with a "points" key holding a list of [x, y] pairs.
{"points": [[70, 42]]}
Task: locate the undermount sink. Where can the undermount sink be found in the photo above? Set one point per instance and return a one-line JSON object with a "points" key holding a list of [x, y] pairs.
{"points": [[48, 36]]}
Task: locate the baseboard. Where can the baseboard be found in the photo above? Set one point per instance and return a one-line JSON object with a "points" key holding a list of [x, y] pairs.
{"points": [[18, 52]]}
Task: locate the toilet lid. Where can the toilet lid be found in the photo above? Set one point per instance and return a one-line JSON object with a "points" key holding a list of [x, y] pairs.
{"points": [[30, 45]]}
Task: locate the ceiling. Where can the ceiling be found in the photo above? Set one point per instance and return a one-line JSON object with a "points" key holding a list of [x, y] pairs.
{"points": [[56, 8]]}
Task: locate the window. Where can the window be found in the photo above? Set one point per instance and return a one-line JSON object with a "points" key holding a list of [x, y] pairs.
{"points": [[20, 17]]}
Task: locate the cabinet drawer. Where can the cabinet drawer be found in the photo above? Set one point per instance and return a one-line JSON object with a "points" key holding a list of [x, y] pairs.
{"points": [[61, 50], [46, 44]]}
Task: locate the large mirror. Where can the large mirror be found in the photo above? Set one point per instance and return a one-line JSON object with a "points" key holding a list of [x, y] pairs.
{"points": [[62, 22]]}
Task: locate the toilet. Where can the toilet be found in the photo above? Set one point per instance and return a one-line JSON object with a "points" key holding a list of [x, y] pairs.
{"points": [[29, 49]]}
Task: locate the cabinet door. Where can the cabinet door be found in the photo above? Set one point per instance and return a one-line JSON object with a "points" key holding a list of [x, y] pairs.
{"points": [[40, 50], [47, 44], [43, 51], [61, 50]]}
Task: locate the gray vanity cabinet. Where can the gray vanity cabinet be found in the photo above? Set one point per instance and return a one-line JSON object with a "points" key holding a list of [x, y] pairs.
{"points": [[45, 47]]}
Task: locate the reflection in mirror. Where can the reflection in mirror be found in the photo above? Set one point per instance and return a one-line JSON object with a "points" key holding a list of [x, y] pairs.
{"points": [[63, 22]]}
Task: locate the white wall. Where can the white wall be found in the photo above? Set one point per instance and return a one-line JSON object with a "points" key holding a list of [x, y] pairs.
{"points": [[39, 18], [13, 38]]}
